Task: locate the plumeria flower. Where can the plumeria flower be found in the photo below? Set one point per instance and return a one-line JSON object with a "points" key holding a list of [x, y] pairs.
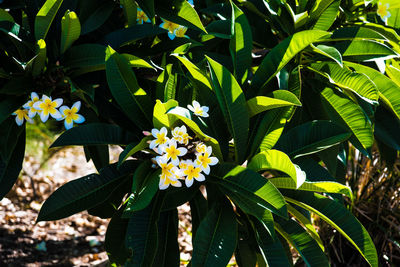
{"points": [[205, 161], [169, 173], [383, 11], [180, 32], [29, 105], [191, 2], [141, 16], [198, 110], [180, 135], [161, 139], [172, 151], [21, 115], [69, 115], [192, 171], [47, 107], [201, 148], [171, 27]]}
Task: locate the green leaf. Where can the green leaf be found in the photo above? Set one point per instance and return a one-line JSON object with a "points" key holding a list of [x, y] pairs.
{"points": [[260, 104], [241, 43], [45, 17], [275, 160], [141, 199], [327, 17], [208, 140], [343, 110], [358, 83], [196, 73], [70, 30], [97, 17], [160, 116], [272, 250], [389, 91], [233, 105], [94, 134], [142, 234], [9, 105], [339, 218], [323, 186], [182, 13], [329, 51], [360, 50], [83, 193], [130, 11], [281, 54], [38, 63], [85, 58], [114, 240], [216, 237], [305, 245], [137, 62], [387, 128], [357, 33], [11, 166], [133, 148], [4, 15], [311, 137], [124, 87], [252, 187]]}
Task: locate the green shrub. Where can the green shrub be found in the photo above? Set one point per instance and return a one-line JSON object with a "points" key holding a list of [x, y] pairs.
{"points": [[259, 101]]}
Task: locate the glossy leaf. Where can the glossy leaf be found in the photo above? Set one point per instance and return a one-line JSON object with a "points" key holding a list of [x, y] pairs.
{"points": [[233, 105], [196, 73], [39, 62], [125, 89], [281, 54], [97, 17], [216, 237], [327, 17], [45, 17], [160, 116], [70, 30], [94, 134], [260, 104], [329, 51], [133, 148], [361, 50]]}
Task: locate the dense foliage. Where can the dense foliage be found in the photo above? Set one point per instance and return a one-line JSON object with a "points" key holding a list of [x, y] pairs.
{"points": [[245, 109]]}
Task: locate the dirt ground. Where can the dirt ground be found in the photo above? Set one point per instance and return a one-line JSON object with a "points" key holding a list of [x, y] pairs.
{"points": [[74, 241]]}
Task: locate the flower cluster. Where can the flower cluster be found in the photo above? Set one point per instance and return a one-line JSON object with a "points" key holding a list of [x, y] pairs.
{"points": [[179, 158], [46, 107]]}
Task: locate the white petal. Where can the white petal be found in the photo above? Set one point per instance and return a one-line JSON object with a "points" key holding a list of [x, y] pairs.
{"points": [[152, 144], [163, 186], [19, 121], [205, 109], [209, 150], [77, 105], [43, 117], [62, 109], [204, 115], [191, 108], [214, 161], [200, 178], [26, 105], [44, 97], [183, 151], [31, 113], [34, 95], [196, 104], [175, 162], [80, 119], [37, 104], [188, 182], [154, 132], [164, 131], [177, 183], [57, 115], [68, 125], [58, 101], [206, 170]]}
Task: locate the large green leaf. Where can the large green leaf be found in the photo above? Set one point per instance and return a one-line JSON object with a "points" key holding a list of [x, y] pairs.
{"points": [[182, 13], [94, 134], [83, 193], [303, 242], [45, 17], [272, 250], [325, 19], [241, 43], [70, 30], [160, 116], [358, 83], [124, 87], [85, 58], [360, 50], [323, 186], [253, 187], [114, 240], [216, 237], [196, 73], [340, 218], [98, 16], [38, 63], [311, 137], [281, 54], [389, 91], [260, 104], [233, 105], [329, 51], [350, 114], [275, 160], [133, 148], [130, 11]]}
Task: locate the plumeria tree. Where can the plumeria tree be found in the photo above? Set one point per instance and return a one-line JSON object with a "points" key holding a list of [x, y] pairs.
{"points": [[246, 110]]}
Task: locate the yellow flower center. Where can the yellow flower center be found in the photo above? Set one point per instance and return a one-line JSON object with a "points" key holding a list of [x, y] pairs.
{"points": [[70, 115], [48, 106], [191, 172], [141, 16], [198, 111], [383, 10], [166, 170], [170, 26], [161, 139], [22, 114], [204, 160], [172, 152], [180, 32]]}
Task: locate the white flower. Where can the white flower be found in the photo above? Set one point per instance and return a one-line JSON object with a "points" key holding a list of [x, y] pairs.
{"points": [[21, 115], [161, 139], [180, 135], [29, 105], [198, 110], [47, 107], [172, 151], [192, 171], [70, 115], [205, 161], [169, 174], [201, 148]]}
